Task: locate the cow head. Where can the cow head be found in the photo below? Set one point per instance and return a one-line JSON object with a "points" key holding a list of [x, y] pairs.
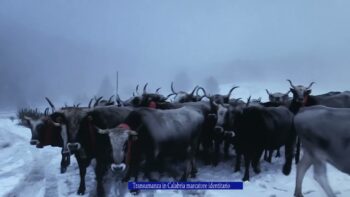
{"points": [[182, 96], [220, 99], [45, 132], [300, 93], [152, 99], [69, 120], [225, 118], [121, 139], [278, 98]]}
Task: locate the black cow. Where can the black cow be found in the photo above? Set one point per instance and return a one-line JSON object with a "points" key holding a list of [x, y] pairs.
{"points": [[154, 134], [45, 132], [93, 145], [257, 128], [183, 97]]}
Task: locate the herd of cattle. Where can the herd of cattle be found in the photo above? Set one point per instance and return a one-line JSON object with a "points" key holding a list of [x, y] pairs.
{"points": [[146, 131]]}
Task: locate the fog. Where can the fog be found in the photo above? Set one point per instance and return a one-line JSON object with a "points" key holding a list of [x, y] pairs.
{"points": [[66, 49]]}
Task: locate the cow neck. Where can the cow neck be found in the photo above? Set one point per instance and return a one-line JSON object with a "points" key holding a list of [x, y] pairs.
{"points": [[92, 136], [152, 105], [48, 136]]}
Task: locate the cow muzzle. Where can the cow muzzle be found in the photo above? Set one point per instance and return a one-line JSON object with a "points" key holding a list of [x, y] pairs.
{"points": [[229, 134], [118, 167], [34, 142], [219, 129], [73, 147]]}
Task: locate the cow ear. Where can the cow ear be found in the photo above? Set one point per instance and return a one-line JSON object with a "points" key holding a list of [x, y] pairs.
{"points": [[308, 92]]}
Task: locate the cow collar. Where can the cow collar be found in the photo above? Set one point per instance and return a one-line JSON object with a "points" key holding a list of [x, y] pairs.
{"points": [[123, 126], [152, 105], [305, 100]]}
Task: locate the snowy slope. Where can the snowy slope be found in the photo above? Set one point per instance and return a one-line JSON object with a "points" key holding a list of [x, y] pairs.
{"points": [[27, 171]]}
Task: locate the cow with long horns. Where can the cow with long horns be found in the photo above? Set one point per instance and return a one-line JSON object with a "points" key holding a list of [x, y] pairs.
{"points": [[182, 96], [92, 145], [154, 134]]}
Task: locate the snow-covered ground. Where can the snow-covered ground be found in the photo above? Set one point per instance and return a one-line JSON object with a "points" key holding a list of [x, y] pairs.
{"points": [[28, 171]]}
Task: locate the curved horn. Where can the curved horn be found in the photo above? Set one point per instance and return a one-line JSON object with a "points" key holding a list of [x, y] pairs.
{"points": [[90, 102], [157, 91], [46, 112], [290, 82], [97, 101], [78, 105], [137, 89], [119, 101], [50, 103], [267, 91], [169, 95], [229, 93], [215, 104], [102, 131], [237, 100], [248, 101], [144, 88], [110, 99], [204, 93], [312, 83], [172, 88], [195, 88]]}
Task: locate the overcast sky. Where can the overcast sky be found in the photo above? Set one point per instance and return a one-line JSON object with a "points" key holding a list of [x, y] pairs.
{"points": [[64, 49]]}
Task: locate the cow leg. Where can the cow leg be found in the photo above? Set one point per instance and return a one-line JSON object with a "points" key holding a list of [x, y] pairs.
{"points": [[289, 154], [238, 161], [100, 170], [269, 159], [302, 167], [64, 163], [149, 165], [256, 161], [226, 148], [278, 154], [247, 161], [297, 155], [320, 175], [188, 161], [134, 171], [265, 154], [83, 164], [216, 152], [193, 159]]}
